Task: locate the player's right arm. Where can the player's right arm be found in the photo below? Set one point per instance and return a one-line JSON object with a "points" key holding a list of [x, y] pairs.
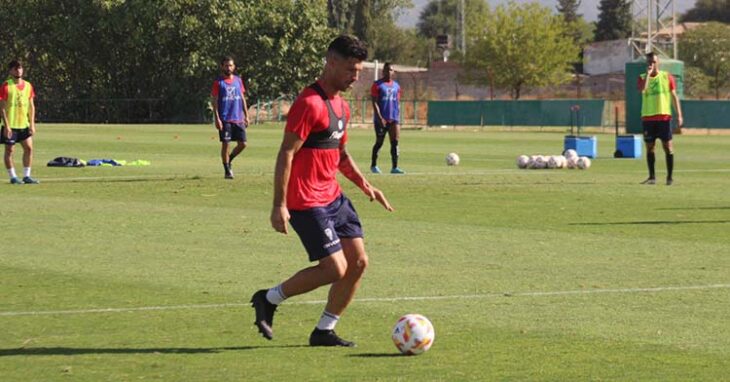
{"points": [[5, 129], [214, 102], [279, 212], [374, 100]]}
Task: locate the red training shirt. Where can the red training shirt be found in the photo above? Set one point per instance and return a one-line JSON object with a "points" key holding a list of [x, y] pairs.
{"points": [[313, 177]]}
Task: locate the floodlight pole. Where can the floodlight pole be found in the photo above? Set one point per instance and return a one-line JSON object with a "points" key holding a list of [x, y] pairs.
{"points": [[652, 12]]}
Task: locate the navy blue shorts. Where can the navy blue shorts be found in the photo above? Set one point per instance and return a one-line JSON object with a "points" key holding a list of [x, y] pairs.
{"points": [[657, 129], [381, 130], [232, 131], [19, 135], [320, 228]]}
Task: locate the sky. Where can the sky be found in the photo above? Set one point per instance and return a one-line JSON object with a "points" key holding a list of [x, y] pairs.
{"points": [[588, 8]]}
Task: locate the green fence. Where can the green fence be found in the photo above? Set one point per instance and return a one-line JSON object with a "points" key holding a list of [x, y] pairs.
{"points": [[517, 113], [706, 114]]}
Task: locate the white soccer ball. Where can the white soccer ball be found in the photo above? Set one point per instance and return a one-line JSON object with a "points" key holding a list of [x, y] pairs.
{"points": [[413, 334], [523, 161], [571, 162], [570, 153], [540, 161], [452, 159], [554, 161], [563, 161], [584, 163]]}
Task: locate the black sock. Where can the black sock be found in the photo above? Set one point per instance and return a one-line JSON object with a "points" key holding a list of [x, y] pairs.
{"points": [[394, 153], [227, 167], [231, 157], [650, 160], [376, 147], [670, 164]]}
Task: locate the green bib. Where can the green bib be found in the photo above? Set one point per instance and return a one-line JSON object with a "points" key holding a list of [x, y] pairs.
{"points": [[657, 99], [17, 105]]}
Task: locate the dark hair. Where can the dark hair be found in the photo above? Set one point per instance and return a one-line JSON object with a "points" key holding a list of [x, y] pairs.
{"points": [[650, 56], [387, 65], [226, 59], [349, 47], [14, 64]]}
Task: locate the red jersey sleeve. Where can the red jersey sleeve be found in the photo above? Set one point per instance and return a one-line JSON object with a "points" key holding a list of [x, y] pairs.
{"points": [[672, 84], [214, 90], [32, 91], [303, 116], [4, 91], [640, 84], [374, 90], [243, 87]]}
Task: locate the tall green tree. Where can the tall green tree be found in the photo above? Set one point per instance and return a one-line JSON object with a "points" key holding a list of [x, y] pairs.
{"points": [[521, 46], [709, 10], [708, 49], [614, 20], [440, 17]]}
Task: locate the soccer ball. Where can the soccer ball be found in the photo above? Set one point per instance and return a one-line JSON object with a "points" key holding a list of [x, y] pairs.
{"points": [[554, 162], [570, 153], [584, 163], [452, 159], [571, 162], [413, 334], [523, 161], [540, 162]]}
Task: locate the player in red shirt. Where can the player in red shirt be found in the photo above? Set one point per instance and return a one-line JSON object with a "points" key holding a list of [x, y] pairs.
{"points": [[307, 195]]}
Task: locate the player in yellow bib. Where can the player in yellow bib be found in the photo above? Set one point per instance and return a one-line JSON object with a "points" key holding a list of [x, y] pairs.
{"points": [[18, 120], [658, 93]]}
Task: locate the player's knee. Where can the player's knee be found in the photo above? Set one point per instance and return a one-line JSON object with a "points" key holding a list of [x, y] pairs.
{"points": [[336, 269], [242, 145], [360, 265]]}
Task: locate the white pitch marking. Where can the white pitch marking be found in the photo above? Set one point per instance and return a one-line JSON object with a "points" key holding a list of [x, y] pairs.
{"points": [[376, 299]]}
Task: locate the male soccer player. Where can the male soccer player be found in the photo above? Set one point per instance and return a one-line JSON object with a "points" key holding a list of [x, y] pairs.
{"points": [[231, 113], [307, 195], [385, 94], [18, 118], [657, 89]]}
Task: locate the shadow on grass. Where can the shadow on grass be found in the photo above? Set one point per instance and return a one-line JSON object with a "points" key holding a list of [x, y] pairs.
{"points": [[66, 351], [376, 355], [695, 208], [657, 222]]}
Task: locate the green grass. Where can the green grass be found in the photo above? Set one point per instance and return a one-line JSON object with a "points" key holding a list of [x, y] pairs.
{"points": [[526, 274]]}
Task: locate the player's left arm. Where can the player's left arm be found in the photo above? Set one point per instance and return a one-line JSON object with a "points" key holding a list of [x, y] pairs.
{"points": [[677, 105], [31, 115], [245, 105], [349, 169]]}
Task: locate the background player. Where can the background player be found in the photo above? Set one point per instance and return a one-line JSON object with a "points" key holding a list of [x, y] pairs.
{"points": [[18, 118], [231, 113], [385, 94]]}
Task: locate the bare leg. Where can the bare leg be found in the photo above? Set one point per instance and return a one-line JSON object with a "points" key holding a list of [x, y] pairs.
{"points": [[327, 271], [237, 150], [8, 157], [342, 291], [27, 152]]}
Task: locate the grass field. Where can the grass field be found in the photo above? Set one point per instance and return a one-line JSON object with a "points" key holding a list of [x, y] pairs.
{"points": [[144, 273]]}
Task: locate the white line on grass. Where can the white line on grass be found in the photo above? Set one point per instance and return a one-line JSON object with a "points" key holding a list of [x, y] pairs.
{"points": [[376, 299]]}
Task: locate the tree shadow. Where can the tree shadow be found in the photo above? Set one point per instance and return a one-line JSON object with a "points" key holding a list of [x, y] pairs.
{"points": [[656, 222], [68, 351]]}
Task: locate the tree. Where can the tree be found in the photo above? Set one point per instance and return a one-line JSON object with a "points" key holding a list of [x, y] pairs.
{"points": [[440, 17], [709, 10], [521, 45], [708, 49], [569, 10], [614, 20]]}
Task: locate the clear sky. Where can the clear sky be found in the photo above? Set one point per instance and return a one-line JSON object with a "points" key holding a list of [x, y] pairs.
{"points": [[588, 8]]}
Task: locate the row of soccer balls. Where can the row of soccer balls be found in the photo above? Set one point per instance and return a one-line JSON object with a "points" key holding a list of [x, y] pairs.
{"points": [[553, 161]]}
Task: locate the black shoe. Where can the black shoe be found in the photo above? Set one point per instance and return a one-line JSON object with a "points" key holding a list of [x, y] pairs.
{"points": [[649, 181], [264, 313], [669, 181], [327, 338]]}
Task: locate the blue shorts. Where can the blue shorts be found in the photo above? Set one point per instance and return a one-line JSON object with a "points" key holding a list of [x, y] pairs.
{"points": [[19, 135], [320, 228], [657, 129], [232, 131]]}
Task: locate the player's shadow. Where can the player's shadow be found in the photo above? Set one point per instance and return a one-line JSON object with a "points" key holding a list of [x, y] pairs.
{"points": [[68, 351], [695, 208], [376, 355], [656, 222]]}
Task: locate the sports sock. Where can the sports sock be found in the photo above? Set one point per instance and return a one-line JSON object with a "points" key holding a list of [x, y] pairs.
{"points": [[275, 295], [650, 159], [231, 157], [227, 167], [11, 173], [376, 147], [670, 164], [327, 321], [26, 171], [394, 152]]}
